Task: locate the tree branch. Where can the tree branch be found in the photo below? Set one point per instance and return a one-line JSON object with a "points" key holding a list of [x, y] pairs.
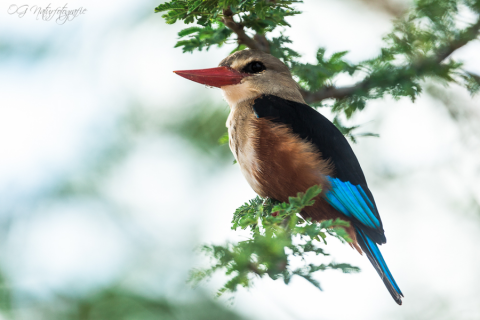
{"points": [[262, 42], [258, 43], [471, 33], [331, 92]]}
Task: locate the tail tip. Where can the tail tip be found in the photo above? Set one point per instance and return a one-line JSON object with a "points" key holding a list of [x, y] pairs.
{"points": [[398, 298]]}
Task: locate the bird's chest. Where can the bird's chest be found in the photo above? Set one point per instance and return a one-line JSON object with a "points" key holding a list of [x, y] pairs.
{"points": [[275, 162], [243, 144]]}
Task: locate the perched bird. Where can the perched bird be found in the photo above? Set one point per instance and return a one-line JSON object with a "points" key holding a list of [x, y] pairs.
{"points": [[283, 147]]}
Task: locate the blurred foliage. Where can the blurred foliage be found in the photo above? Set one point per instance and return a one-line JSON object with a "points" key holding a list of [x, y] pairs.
{"points": [[6, 296], [201, 126], [278, 236], [123, 304], [33, 50], [114, 301], [349, 131]]}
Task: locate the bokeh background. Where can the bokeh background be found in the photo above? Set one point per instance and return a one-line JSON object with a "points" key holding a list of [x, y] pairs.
{"points": [[111, 175]]}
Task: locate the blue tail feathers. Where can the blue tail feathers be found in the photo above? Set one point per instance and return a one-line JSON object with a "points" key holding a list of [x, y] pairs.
{"points": [[353, 202], [375, 256]]}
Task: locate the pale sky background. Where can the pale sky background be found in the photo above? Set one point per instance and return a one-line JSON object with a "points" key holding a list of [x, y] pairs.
{"points": [[63, 93]]}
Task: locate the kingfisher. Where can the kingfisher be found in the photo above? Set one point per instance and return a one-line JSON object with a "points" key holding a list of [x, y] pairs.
{"points": [[284, 146]]}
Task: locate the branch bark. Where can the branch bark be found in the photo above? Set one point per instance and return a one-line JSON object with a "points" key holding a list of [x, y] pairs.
{"points": [[258, 43], [331, 92], [471, 33]]}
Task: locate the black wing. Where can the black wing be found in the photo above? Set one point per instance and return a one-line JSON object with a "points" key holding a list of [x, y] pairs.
{"points": [[310, 125]]}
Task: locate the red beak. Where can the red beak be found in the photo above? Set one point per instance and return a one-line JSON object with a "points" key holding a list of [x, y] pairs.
{"points": [[215, 77]]}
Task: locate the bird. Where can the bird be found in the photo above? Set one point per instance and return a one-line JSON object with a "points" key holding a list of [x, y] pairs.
{"points": [[283, 146]]}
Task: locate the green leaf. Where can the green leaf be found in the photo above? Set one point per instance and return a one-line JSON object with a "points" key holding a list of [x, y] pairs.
{"points": [[189, 31], [169, 6], [223, 139]]}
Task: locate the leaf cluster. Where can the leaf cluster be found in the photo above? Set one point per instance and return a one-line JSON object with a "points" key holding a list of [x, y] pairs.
{"points": [[414, 50], [259, 16], [203, 37], [313, 77], [280, 239]]}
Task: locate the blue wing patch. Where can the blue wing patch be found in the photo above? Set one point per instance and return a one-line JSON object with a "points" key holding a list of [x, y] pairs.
{"points": [[352, 201]]}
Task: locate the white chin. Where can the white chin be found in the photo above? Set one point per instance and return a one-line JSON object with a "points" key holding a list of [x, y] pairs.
{"points": [[237, 93]]}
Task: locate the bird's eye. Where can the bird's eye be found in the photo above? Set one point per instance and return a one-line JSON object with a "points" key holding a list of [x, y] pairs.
{"points": [[254, 67]]}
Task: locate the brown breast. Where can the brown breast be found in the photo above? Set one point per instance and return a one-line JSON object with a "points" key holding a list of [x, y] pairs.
{"points": [[278, 164]]}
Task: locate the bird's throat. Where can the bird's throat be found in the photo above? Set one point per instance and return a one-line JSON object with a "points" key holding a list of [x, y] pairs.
{"points": [[237, 93]]}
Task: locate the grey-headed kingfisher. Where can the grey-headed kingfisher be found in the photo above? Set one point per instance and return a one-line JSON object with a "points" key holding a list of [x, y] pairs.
{"points": [[283, 147]]}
